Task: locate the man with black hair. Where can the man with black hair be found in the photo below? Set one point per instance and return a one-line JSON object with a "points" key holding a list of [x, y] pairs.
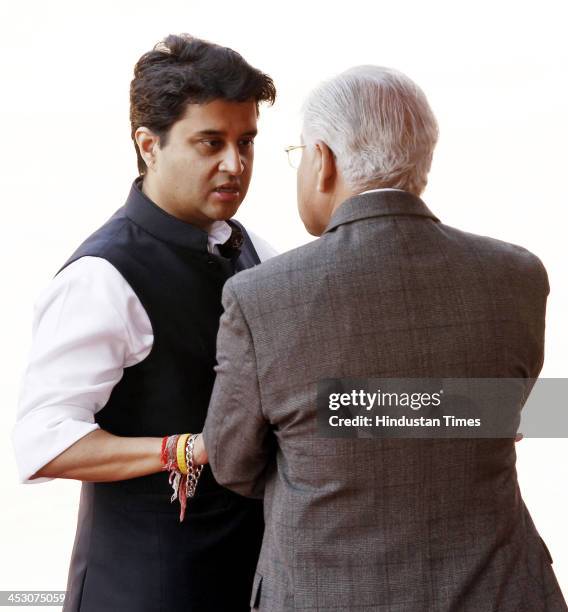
{"points": [[124, 347]]}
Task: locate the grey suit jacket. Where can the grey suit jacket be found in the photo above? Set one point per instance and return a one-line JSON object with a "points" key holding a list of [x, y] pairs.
{"points": [[366, 524]]}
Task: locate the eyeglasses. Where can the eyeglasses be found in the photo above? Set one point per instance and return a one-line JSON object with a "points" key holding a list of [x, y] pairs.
{"points": [[295, 155]]}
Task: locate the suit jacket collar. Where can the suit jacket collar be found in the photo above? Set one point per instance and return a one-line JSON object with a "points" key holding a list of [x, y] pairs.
{"points": [[379, 204]]}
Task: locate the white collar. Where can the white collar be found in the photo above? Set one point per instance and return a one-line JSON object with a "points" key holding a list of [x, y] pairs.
{"points": [[380, 189], [219, 233]]}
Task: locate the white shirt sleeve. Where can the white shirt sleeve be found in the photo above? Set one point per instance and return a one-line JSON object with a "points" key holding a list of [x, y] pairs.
{"points": [[264, 249], [88, 326]]}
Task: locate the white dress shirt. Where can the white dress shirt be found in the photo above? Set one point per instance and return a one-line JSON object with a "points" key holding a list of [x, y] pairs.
{"points": [[88, 326]]}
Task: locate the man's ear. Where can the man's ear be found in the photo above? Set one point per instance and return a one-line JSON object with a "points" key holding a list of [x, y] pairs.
{"points": [[327, 171], [148, 143]]}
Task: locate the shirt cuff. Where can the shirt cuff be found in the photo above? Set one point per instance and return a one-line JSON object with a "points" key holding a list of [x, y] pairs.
{"points": [[37, 441]]}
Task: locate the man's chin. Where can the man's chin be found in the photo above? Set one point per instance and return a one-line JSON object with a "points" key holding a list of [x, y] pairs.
{"points": [[223, 211]]}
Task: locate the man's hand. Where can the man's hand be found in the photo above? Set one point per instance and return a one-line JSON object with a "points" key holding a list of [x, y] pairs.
{"points": [[199, 453]]}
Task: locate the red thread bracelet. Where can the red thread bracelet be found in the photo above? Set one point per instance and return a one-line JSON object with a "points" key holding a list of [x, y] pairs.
{"points": [[163, 455]]}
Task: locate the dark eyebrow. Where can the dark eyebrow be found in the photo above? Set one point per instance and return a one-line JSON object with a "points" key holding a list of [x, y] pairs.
{"points": [[209, 133], [220, 133]]}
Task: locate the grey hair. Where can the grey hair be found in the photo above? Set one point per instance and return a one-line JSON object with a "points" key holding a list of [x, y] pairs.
{"points": [[379, 126]]}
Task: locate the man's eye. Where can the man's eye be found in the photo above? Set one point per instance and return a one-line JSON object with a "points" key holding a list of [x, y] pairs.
{"points": [[248, 142], [212, 143]]}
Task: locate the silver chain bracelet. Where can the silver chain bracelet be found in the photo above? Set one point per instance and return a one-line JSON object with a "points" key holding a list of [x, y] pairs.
{"points": [[193, 471]]}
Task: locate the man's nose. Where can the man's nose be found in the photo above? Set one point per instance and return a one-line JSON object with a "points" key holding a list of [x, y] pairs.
{"points": [[232, 162]]}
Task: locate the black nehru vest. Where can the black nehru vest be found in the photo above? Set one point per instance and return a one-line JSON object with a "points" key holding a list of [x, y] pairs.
{"points": [[177, 566]]}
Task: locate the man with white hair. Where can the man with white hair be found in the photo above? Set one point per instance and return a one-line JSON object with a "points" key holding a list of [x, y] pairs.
{"points": [[387, 291]]}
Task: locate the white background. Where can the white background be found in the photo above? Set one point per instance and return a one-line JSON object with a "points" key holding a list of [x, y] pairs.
{"points": [[494, 72]]}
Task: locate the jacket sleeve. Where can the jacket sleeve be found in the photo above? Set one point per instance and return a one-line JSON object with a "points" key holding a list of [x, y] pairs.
{"points": [[237, 437]]}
